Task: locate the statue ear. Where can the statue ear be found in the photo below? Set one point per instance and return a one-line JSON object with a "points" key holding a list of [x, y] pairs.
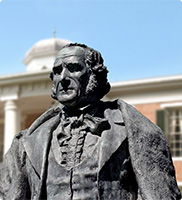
{"points": [[53, 92], [51, 75]]}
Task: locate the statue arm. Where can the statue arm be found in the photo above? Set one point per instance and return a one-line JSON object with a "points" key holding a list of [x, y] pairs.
{"points": [[153, 167], [150, 157], [13, 178]]}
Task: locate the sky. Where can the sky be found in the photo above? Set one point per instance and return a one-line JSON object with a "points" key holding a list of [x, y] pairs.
{"points": [[137, 38]]}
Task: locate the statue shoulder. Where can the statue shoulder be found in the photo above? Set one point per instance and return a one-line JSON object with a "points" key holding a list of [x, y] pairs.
{"points": [[119, 104], [123, 105], [40, 120], [132, 115], [129, 111], [50, 113]]}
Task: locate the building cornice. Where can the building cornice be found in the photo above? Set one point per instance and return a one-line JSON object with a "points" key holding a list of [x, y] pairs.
{"points": [[150, 83], [26, 84], [24, 77]]}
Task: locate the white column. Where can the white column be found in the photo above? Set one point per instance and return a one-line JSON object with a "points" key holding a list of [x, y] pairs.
{"points": [[12, 122]]}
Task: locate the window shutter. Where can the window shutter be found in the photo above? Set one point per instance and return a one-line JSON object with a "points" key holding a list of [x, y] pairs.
{"points": [[161, 119]]}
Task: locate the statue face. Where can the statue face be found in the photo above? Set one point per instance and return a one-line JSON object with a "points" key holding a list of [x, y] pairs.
{"points": [[71, 76]]}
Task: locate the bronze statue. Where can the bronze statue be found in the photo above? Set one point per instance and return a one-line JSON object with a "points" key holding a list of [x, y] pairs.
{"points": [[88, 149]]}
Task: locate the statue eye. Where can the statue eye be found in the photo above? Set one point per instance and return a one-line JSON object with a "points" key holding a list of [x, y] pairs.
{"points": [[74, 67], [57, 70]]}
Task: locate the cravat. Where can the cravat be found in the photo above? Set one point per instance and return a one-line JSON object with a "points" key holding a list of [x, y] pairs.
{"points": [[72, 133]]}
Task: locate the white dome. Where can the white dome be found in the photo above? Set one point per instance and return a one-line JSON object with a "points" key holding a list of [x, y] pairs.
{"points": [[42, 54]]}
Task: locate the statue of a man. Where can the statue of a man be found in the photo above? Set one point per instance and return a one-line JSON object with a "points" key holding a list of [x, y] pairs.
{"points": [[88, 149]]}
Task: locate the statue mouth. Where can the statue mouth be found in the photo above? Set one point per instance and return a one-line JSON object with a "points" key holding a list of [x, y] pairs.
{"points": [[66, 90]]}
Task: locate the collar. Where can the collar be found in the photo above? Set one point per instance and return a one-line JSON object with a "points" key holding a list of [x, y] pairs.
{"points": [[94, 109]]}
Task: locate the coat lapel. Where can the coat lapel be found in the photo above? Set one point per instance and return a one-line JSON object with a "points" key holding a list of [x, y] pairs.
{"points": [[37, 144], [111, 139]]}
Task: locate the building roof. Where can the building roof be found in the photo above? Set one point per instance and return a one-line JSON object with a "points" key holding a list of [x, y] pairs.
{"points": [[147, 83], [44, 47]]}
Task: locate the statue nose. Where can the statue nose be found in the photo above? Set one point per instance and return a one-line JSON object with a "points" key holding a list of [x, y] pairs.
{"points": [[64, 74], [64, 79], [65, 82]]}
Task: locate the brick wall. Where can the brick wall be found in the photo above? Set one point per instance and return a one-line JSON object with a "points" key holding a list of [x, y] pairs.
{"points": [[178, 167], [149, 110]]}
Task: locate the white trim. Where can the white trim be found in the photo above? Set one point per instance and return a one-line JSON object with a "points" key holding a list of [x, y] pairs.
{"points": [[171, 105], [179, 184], [177, 158], [149, 99], [147, 81], [9, 97], [145, 91], [25, 77]]}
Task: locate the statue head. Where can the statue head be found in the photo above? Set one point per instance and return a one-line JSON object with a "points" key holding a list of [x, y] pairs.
{"points": [[79, 76]]}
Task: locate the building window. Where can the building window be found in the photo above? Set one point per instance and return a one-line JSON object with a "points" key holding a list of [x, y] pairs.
{"points": [[174, 133]]}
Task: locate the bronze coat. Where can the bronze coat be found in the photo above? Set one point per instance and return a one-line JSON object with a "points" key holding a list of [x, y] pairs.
{"points": [[142, 150]]}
